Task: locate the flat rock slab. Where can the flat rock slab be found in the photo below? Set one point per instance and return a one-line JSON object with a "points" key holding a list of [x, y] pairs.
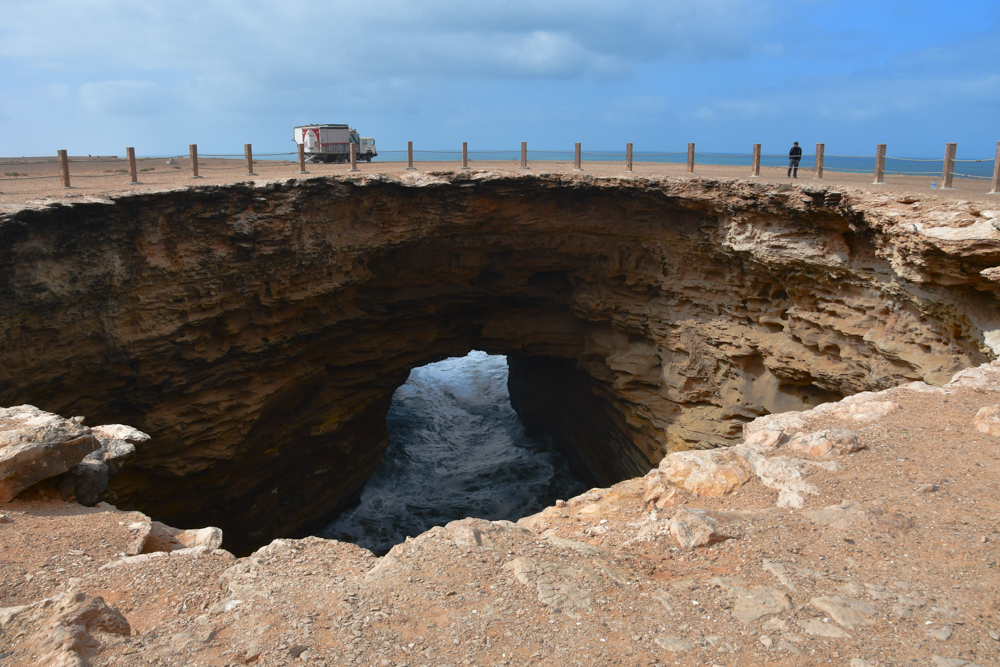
{"points": [[37, 445], [674, 644], [848, 612], [757, 602], [850, 516], [818, 628]]}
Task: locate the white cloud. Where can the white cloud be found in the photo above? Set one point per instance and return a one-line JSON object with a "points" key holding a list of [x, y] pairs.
{"points": [[348, 40], [121, 98]]}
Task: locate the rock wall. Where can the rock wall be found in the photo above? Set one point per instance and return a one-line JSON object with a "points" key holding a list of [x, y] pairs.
{"points": [[257, 332]]}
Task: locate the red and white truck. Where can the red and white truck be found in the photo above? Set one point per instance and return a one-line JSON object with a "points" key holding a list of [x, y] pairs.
{"points": [[332, 143]]}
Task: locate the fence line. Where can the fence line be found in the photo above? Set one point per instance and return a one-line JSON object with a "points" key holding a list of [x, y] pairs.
{"points": [[756, 161]]}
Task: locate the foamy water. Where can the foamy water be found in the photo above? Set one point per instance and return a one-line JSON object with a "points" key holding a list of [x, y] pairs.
{"points": [[456, 449]]}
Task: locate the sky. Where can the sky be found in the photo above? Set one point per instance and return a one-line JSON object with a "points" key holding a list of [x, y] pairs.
{"points": [[95, 76]]}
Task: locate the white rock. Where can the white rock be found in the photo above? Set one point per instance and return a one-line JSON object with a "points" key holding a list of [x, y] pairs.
{"points": [[707, 472], [37, 445], [848, 612], [987, 420], [674, 644], [695, 529], [818, 628], [942, 634]]}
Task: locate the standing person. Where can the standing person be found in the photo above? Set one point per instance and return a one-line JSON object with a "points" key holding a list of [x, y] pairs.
{"points": [[794, 156]]}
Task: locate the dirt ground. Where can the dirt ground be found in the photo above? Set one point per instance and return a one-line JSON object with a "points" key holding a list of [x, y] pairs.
{"points": [[38, 178], [893, 561]]}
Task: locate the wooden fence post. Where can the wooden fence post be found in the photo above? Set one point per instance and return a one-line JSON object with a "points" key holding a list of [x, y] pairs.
{"points": [[64, 168], [628, 157], [302, 159], [996, 173], [193, 149], [524, 155], [949, 164], [690, 166], [755, 168], [879, 165], [354, 157], [465, 155], [820, 148], [248, 151], [133, 176], [409, 156], [576, 157]]}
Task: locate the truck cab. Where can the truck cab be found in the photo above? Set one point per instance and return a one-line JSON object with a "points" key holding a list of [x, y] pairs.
{"points": [[366, 149]]}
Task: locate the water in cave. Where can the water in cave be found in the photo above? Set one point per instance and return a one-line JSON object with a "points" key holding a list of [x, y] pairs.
{"points": [[456, 449]]}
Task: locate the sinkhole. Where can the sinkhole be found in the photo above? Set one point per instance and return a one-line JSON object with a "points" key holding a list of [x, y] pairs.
{"points": [[456, 449]]}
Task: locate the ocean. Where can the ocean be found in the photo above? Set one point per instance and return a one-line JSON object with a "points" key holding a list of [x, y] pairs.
{"points": [[979, 168], [456, 449]]}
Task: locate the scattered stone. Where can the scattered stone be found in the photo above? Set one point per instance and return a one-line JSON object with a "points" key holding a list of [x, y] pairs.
{"points": [[36, 445], [848, 612], [941, 634], [927, 488], [696, 529], [674, 644], [818, 628], [826, 444], [758, 602], [663, 598], [791, 648], [5, 519], [775, 625], [661, 496], [858, 662], [940, 661], [766, 641], [987, 420], [709, 472], [850, 515], [782, 572]]}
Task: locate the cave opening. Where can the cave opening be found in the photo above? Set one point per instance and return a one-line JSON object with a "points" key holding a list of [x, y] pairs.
{"points": [[457, 449]]}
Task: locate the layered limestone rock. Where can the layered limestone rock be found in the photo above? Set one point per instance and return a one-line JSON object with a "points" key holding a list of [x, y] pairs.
{"points": [[257, 332]]}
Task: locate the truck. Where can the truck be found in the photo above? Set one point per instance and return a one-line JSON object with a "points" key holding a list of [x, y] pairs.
{"points": [[332, 143]]}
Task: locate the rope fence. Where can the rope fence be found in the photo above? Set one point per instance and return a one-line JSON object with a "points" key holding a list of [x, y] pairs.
{"points": [[818, 162]]}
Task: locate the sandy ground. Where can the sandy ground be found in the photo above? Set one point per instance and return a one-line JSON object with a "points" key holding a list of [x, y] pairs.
{"points": [[38, 178]]}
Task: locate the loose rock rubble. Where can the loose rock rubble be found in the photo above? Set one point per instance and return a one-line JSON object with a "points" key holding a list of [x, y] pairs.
{"points": [[889, 559]]}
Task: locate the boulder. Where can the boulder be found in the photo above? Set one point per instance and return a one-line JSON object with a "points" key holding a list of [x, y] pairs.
{"points": [[987, 420], [58, 630], [153, 536], [706, 472], [88, 480], [36, 445], [696, 529], [826, 444]]}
